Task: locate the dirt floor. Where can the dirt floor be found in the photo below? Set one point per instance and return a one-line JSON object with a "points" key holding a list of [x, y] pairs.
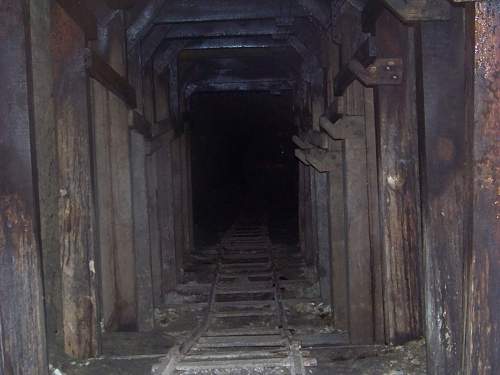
{"points": [[400, 360], [308, 320]]}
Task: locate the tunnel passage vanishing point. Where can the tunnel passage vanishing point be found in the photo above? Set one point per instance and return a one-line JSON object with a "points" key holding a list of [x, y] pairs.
{"points": [[353, 144]]}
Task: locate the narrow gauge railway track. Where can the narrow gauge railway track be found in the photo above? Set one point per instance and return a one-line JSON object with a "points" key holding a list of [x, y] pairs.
{"points": [[245, 330]]}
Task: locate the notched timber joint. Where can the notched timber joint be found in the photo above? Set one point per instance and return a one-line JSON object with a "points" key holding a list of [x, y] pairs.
{"points": [[138, 123], [101, 71], [313, 152], [321, 160], [347, 127]]}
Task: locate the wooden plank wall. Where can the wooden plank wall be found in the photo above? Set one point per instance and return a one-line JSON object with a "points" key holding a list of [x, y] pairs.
{"points": [[444, 181], [77, 237], [356, 199], [482, 348], [46, 149], [142, 244], [114, 187], [148, 108], [24, 97], [398, 171]]}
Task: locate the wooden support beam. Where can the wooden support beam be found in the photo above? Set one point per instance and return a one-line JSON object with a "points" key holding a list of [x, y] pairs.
{"points": [[23, 348], [76, 201], [138, 123], [142, 240], [301, 208], [365, 54], [166, 211], [317, 138], [338, 240], [82, 16], [420, 10], [347, 127], [301, 155], [324, 267], [372, 10], [309, 218], [178, 211], [101, 71], [482, 349], [359, 271], [399, 193], [300, 143], [188, 240], [445, 187], [322, 160], [351, 130]]}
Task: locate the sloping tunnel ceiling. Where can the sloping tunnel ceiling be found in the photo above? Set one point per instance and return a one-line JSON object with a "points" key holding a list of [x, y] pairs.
{"points": [[226, 45]]}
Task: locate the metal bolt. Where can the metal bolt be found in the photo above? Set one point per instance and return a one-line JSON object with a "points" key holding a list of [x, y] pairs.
{"points": [[387, 67], [395, 77]]}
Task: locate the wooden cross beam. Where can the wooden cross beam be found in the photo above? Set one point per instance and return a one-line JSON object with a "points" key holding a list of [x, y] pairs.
{"points": [[101, 71], [82, 16], [347, 127]]}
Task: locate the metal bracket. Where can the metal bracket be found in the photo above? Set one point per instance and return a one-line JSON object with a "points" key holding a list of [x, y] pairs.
{"points": [[382, 71]]}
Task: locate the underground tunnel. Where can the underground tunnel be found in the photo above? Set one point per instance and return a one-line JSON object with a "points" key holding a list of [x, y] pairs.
{"points": [[249, 187]]}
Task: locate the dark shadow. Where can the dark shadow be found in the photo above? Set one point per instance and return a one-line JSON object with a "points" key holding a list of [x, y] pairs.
{"points": [[242, 160]]}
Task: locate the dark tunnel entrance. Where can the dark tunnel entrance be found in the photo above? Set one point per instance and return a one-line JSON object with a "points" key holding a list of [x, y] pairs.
{"points": [[243, 162]]}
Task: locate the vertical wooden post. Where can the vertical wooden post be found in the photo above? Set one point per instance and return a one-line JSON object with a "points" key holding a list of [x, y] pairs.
{"points": [[153, 177], [444, 187], [324, 249], [357, 206], [302, 210], [154, 225], [358, 242], [374, 218], [308, 228], [122, 205], [142, 244], [166, 212], [337, 238], [185, 197], [105, 208], [482, 355], [189, 193], [46, 151], [314, 245], [76, 202], [399, 191], [22, 321], [178, 212]]}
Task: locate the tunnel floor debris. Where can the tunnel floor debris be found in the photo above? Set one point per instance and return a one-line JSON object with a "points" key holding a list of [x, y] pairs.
{"points": [[248, 306]]}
